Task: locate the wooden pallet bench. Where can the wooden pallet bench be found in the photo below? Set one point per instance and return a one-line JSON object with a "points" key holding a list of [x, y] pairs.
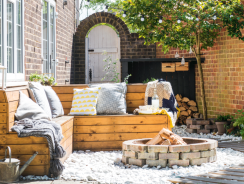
{"points": [[94, 133]]}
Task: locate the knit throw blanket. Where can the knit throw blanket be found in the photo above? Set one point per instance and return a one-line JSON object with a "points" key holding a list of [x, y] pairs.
{"points": [[52, 132], [166, 98]]}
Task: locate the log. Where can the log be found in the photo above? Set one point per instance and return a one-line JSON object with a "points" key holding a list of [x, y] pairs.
{"points": [[194, 109], [166, 142], [182, 109], [173, 138], [156, 140], [185, 105], [189, 117], [179, 103], [178, 98], [189, 111], [196, 115], [184, 113], [192, 103], [185, 99]]}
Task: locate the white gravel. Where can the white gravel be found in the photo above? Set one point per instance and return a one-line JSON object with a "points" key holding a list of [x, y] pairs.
{"points": [[106, 167]]}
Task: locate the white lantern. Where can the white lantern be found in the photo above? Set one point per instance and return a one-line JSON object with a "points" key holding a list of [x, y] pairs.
{"points": [[3, 71]]}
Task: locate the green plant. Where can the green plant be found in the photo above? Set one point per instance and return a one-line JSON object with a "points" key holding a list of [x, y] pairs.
{"points": [[148, 80], [222, 118], [239, 121], [110, 68], [127, 78], [35, 77], [187, 24]]}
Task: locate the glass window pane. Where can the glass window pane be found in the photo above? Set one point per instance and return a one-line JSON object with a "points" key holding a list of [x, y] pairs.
{"points": [[10, 60], [44, 10], [18, 5], [51, 33], [19, 61], [45, 30], [45, 49], [19, 37], [52, 14]]}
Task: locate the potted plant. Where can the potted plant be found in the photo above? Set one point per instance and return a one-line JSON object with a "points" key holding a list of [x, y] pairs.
{"points": [[239, 121], [221, 123], [35, 77]]}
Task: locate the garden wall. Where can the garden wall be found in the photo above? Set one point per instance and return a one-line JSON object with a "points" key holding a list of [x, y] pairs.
{"points": [[223, 72], [65, 28]]}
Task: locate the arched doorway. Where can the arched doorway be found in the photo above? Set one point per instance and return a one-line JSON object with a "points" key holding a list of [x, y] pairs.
{"points": [[102, 38]]}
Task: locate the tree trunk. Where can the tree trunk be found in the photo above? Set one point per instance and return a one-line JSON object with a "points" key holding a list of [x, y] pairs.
{"points": [[199, 65]]}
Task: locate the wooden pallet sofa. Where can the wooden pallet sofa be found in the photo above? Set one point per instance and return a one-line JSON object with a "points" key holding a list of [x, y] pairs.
{"points": [[94, 133]]}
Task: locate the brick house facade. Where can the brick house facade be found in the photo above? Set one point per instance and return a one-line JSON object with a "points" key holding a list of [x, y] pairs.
{"points": [[223, 73]]}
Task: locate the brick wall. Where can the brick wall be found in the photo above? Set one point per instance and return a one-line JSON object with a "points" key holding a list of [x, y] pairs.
{"points": [[131, 46], [223, 73], [65, 28]]}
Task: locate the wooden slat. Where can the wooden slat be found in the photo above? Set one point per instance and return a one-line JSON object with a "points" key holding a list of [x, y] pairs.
{"points": [[111, 137], [212, 180], [3, 107], [3, 128], [37, 170], [235, 170], [177, 180], [119, 128], [228, 173], [38, 160], [67, 134], [136, 88], [67, 89], [3, 97], [135, 96], [94, 146], [10, 139], [66, 111], [124, 120], [67, 142], [65, 97], [12, 106], [14, 95], [3, 117], [29, 149], [224, 177], [67, 126], [134, 103], [130, 109], [69, 151]]}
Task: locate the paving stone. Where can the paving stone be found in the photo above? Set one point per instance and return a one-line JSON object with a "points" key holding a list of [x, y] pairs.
{"points": [[196, 126], [210, 127], [172, 156], [125, 160], [131, 154], [158, 148], [203, 122], [202, 147], [212, 159], [198, 161], [191, 121], [37, 182], [138, 147], [191, 130], [208, 153], [179, 148], [152, 163], [73, 182], [150, 156], [183, 163], [138, 162], [203, 131], [125, 145], [185, 156]]}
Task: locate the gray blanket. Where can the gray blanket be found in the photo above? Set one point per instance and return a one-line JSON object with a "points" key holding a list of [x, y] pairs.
{"points": [[52, 132]]}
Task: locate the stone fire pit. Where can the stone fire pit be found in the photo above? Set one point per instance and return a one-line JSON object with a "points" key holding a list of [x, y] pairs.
{"points": [[198, 151]]}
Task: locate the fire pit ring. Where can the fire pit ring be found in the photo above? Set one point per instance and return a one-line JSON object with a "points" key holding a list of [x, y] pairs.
{"points": [[196, 152]]}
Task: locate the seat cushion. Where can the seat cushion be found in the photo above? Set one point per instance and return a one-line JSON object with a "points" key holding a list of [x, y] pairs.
{"points": [[29, 109], [85, 101], [111, 99], [54, 102]]}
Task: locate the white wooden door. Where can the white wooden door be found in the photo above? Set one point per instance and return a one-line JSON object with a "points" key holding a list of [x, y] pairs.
{"points": [[102, 38]]}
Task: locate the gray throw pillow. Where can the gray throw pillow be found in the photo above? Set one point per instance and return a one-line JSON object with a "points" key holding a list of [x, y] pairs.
{"points": [[54, 102], [40, 97], [111, 98], [29, 109]]}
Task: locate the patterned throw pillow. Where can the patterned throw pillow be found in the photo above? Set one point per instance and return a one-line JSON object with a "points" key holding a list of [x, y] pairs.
{"points": [[111, 98], [85, 101]]}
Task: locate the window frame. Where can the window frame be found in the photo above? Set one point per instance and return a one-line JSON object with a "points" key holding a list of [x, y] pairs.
{"points": [[50, 3], [13, 77]]}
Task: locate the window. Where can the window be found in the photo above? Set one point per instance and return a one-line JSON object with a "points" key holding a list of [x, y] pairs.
{"points": [[49, 37], [11, 38]]}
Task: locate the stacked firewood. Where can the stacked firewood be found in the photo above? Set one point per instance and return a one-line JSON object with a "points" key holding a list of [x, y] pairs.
{"points": [[188, 109]]}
